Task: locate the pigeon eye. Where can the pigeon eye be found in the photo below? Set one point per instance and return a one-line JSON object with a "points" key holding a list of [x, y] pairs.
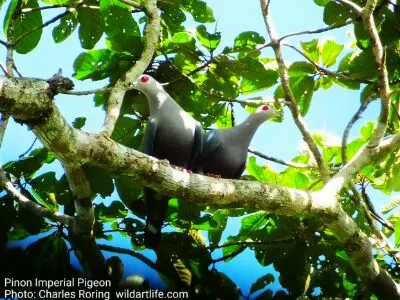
{"points": [[144, 79], [265, 108]]}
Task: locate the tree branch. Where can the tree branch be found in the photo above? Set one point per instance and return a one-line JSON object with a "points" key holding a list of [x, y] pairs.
{"points": [[32, 206], [284, 76], [346, 132], [75, 147], [383, 79], [152, 33], [280, 161]]}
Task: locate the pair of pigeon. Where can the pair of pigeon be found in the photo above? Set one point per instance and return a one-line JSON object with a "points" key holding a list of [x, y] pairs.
{"points": [[173, 134]]}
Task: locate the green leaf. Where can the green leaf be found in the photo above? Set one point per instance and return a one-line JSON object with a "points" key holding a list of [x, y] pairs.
{"points": [[26, 24], [125, 132], [182, 38], [95, 64], [397, 234], [255, 77], [118, 19], [1, 3], [262, 282], [253, 222], [330, 51], [311, 49], [301, 68], [28, 166], [359, 65], [44, 186], [79, 122], [367, 130], [337, 14], [8, 214], [58, 2], [303, 90], [67, 25], [302, 180], [394, 203], [231, 251], [321, 2], [248, 40], [200, 11], [129, 191], [49, 256], [112, 212], [100, 180], [208, 40], [91, 25]]}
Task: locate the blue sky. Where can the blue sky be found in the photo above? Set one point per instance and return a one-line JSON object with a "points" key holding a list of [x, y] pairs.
{"points": [[330, 110]]}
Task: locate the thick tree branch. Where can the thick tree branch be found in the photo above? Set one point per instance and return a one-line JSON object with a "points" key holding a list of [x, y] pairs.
{"points": [[152, 33], [75, 147]]}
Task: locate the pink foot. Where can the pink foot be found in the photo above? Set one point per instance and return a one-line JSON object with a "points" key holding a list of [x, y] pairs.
{"points": [[213, 175], [182, 169]]}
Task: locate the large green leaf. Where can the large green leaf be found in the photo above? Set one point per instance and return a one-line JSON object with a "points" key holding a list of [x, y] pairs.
{"points": [[125, 132], [337, 14], [311, 49], [27, 29], [95, 64], [99, 179], [44, 187], [27, 166], [330, 51], [91, 25], [67, 25], [112, 212], [208, 40]]}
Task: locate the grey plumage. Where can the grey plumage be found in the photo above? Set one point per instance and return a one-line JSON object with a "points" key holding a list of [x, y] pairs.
{"points": [[172, 134], [224, 152]]}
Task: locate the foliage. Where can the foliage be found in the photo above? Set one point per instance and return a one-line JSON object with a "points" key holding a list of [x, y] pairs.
{"points": [[210, 76]]}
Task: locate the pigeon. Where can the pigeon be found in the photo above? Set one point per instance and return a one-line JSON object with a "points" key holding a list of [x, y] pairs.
{"points": [[224, 151], [172, 134]]}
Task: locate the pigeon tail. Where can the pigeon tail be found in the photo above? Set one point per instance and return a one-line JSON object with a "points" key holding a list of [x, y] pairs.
{"points": [[152, 236]]}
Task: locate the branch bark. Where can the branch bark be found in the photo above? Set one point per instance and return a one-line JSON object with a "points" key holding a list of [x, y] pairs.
{"points": [[75, 147], [152, 33]]}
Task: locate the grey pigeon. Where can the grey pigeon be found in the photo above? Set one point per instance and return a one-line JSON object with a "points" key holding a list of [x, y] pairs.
{"points": [[172, 134], [224, 151]]}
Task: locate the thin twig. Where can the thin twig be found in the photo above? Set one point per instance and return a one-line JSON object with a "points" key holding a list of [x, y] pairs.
{"points": [[29, 149], [327, 71], [348, 22], [3, 126], [3, 68], [88, 92], [281, 161], [352, 121], [51, 21]]}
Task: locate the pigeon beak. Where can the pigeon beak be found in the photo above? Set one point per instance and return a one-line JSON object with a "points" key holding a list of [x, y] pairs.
{"points": [[134, 84], [277, 113]]}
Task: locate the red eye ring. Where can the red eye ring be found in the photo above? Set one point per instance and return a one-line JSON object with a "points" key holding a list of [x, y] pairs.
{"points": [[265, 108], [144, 78]]}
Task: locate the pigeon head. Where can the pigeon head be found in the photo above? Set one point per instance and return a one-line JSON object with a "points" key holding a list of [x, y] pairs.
{"points": [[145, 83], [264, 112]]}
